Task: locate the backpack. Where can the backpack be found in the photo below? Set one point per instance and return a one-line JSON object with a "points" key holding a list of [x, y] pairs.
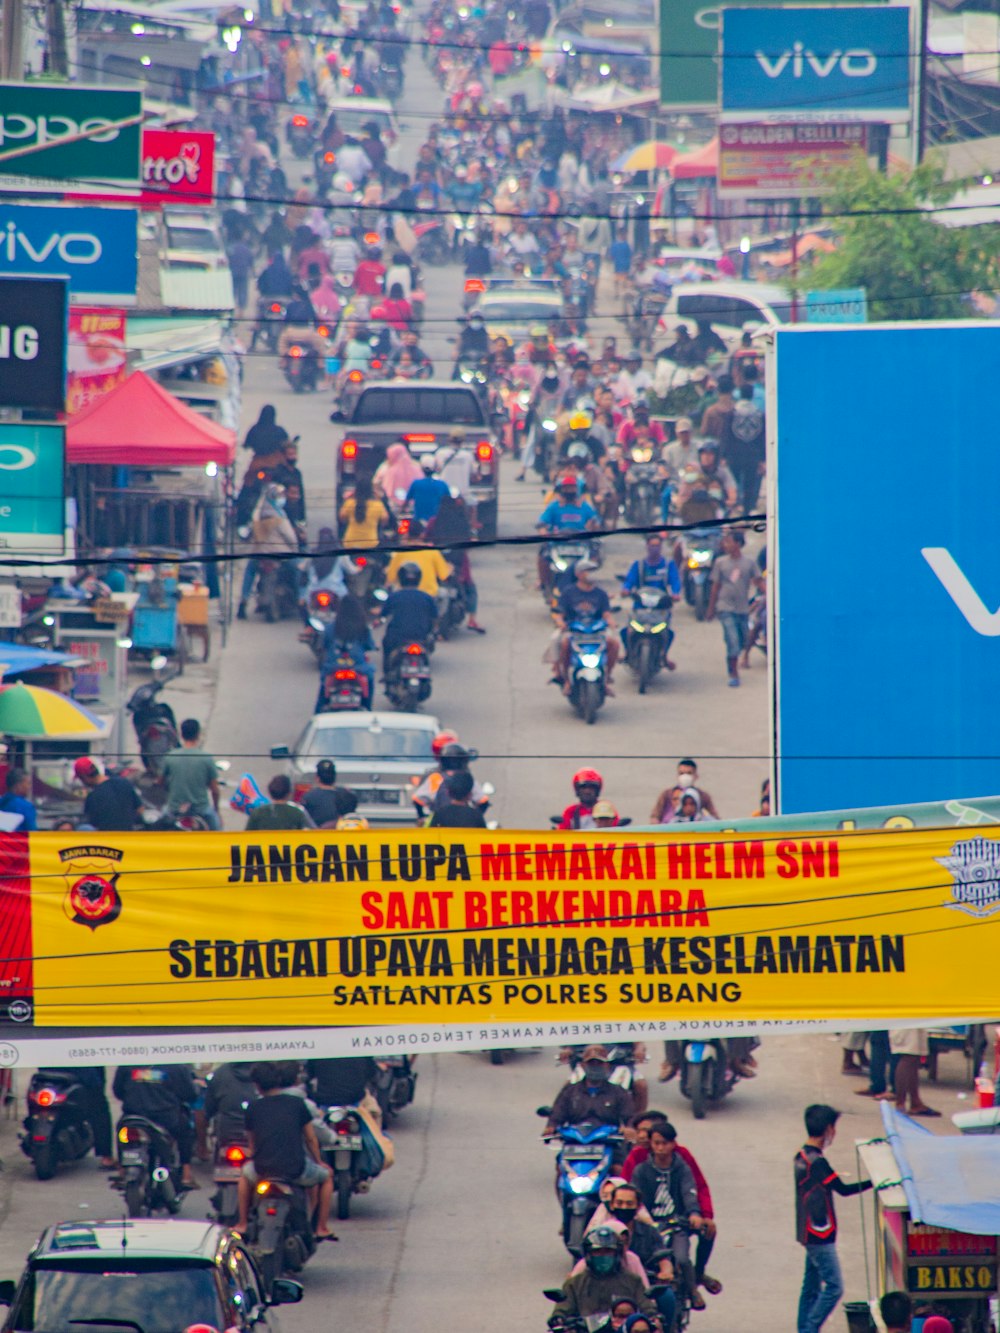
{"points": [[748, 421]]}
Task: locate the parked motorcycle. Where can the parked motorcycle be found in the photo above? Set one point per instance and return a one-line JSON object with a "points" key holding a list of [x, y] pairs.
{"points": [[154, 722], [408, 676], [586, 1155], [149, 1167], [276, 591], [588, 667], [280, 1232], [705, 1074], [394, 1086], [56, 1128], [649, 634]]}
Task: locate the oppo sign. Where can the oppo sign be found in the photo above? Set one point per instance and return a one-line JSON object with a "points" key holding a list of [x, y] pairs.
{"points": [[807, 64], [94, 248]]}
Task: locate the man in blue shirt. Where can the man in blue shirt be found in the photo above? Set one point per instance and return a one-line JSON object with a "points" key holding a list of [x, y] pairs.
{"points": [[427, 492], [409, 614], [16, 802], [567, 512], [654, 571], [583, 602]]}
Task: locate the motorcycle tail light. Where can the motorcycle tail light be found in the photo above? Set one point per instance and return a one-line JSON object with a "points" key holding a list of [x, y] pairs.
{"points": [[484, 451], [300, 122], [275, 308], [45, 1097], [329, 158], [376, 364], [404, 527], [295, 351], [344, 1127], [130, 1134], [349, 449], [345, 71], [344, 674], [323, 598], [355, 376], [372, 238], [361, 561], [272, 1212], [358, 90], [236, 1154], [475, 285], [415, 649], [301, 789], [323, 331]]}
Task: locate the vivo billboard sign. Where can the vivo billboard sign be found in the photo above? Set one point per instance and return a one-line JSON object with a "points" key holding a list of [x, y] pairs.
{"points": [[95, 249], [844, 63]]}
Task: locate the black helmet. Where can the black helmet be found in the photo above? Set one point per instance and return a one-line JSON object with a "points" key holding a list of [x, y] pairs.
{"points": [[409, 574], [454, 758], [602, 1249]]}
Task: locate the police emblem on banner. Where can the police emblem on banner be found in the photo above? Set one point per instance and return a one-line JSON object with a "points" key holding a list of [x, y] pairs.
{"points": [[91, 875], [975, 866]]}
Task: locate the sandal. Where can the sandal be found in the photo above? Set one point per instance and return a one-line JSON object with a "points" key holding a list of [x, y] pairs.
{"points": [[711, 1284], [697, 1301]]}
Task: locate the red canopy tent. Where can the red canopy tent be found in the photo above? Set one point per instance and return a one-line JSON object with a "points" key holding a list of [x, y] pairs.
{"points": [[703, 161], [140, 424]]}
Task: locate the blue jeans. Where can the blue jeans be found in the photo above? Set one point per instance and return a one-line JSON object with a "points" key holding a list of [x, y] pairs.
{"points": [[822, 1287], [734, 629], [666, 1303]]}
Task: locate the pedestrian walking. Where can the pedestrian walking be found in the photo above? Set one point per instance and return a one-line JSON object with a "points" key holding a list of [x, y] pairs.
{"points": [[816, 1182], [733, 576]]}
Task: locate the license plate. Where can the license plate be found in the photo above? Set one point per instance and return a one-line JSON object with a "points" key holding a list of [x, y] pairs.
{"points": [[350, 1142], [131, 1157], [378, 795], [227, 1173], [578, 1154]]}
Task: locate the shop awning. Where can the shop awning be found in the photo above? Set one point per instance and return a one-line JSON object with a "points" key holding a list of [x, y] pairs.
{"points": [[17, 658], [140, 424], [703, 161], [949, 1182], [158, 341]]}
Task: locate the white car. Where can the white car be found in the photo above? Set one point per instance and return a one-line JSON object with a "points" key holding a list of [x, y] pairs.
{"points": [[354, 113], [192, 239], [730, 307], [381, 757]]}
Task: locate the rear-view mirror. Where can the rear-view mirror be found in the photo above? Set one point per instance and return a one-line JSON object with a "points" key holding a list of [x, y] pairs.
{"points": [[7, 1289], [544, 1110], [285, 1292]]}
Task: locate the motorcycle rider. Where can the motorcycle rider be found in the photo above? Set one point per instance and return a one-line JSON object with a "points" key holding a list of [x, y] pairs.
{"points": [[229, 1092], [580, 433], [667, 1187], [604, 1280], [410, 615], [544, 406], [713, 476], [473, 344], [584, 601], [343, 1081], [645, 1241], [654, 570], [165, 1095], [593, 1100]]}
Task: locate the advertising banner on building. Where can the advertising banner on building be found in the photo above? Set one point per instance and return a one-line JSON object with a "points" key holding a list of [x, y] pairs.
{"points": [[838, 64], [886, 641], [968, 813], [76, 134], [32, 489], [178, 167], [95, 249], [96, 355], [424, 927], [33, 343], [761, 161], [837, 305]]}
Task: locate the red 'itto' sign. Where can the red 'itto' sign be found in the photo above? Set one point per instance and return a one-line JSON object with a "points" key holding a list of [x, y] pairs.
{"points": [[178, 167], [784, 161]]}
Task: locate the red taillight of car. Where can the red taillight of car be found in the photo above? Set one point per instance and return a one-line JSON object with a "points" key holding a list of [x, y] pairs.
{"points": [[414, 438], [45, 1097], [344, 673], [235, 1154], [355, 376], [415, 649], [484, 451], [295, 351], [300, 122], [475, 285], [349, 449]]}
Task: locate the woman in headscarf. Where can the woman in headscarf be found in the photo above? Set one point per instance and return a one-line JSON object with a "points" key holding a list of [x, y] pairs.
{"points": [[349, 635], [689, 811], [449, 526], [397, 473], [265, 436]]}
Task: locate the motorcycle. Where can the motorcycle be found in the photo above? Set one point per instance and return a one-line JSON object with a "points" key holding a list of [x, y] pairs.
{"points": [[280, 1232], [432, 242], [705, 1074], [301, 368], [585, 1159], [231, 1153], [320, 612], [344, 688], [642, 493], [649, 634], [390, 79], [154, 723], [408, 676], [301, 135], [588, 663], [621, 1058], [345, 1157], [560, 555], [394, 1086], [271, 313], [56, 1128], [702, 546], [149, 1167], [451, 608], [276, 591]]}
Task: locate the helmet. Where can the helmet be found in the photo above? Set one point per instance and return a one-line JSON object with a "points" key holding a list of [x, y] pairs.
{"points": [[442, 739], [709, 447], [568, 482], [580, 421], [605, 810], [409, 574], [454, 758], [352, 821], [602, 1250], [539, 331], [584, 566], [378, 312], [428, 464], [588, 777]]}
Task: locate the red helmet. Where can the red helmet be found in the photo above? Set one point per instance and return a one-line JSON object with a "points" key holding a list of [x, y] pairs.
{"points": [[379, 312], [442, 739], [568, 482], [588, 777]]}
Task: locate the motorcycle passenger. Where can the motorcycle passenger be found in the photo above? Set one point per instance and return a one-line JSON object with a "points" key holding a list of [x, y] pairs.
{"points": [[580, 433], [643, 1240], [362, 517], [667, 1187], [712, 476], [165, 1095], [654, 570], [229, 1092], [425, 793], [347, 635], [283, 1145], [582, 600], [473, 344], [343, 1081], [593, 1100], [587, 784], [192, 777], [95, 1107], [409, 614], [604, 1280], [324, 573], [426, 492]]}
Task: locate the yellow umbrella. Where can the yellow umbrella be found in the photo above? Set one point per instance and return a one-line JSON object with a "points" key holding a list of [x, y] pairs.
{"points": [[649, 156]]}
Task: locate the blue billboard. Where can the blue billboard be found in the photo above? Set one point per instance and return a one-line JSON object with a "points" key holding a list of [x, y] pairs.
{"points": [[841, 63], [886, 650], [96, 249]]}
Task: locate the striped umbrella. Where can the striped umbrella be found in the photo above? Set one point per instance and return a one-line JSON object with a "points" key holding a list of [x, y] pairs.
{"points": [[648, 156], [30, 711]]}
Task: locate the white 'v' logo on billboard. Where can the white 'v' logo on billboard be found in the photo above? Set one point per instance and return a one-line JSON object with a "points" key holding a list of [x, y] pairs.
{"points": [[961, 591]]}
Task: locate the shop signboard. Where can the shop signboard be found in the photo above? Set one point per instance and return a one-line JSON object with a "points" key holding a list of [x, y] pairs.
{"points": [[75, 134], [784, 161], [33, 344], [838, 63], [178, 167], [32, 489], [96, 357], [837, 305], [95, 249]]}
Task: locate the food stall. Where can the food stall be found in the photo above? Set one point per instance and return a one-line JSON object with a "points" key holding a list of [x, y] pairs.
{"points": [[936, 1223]]}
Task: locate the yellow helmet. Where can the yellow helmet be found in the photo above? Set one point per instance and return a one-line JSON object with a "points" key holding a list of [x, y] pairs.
{"points": [[352, 822], [580, 421]]}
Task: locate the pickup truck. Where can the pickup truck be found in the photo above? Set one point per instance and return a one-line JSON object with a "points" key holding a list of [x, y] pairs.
{"points": [[423, 413]]}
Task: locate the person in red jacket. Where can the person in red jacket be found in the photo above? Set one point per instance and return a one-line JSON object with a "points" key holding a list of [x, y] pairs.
{"points": [[706, 1240], [587, 784]]}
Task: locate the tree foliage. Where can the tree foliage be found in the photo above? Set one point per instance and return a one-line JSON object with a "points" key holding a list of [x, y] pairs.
{"points": [[911, 266]]}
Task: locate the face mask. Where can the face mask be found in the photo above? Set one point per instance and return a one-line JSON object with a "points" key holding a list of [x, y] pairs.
{"points": [[624, 1215], [685, 780], [603, 1265], [596, 1073], [279, 502]]}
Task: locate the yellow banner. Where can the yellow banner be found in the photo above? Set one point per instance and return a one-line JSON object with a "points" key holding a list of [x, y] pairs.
{"points": [[445, 926]]}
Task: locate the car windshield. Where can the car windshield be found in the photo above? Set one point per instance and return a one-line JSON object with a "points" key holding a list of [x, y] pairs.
{"points": [[514, 312], [353, 121], [416, 406], [362, 743], [192, 238], [158, 1297]]}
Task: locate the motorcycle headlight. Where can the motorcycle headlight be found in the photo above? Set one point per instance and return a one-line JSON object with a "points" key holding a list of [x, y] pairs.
{"points": [[524, 398], [548, 424], [698, 558], [466, 377], [634, 624], [658, 629], [581, 1185], [561, 565], [590, 659], [641, 455]]}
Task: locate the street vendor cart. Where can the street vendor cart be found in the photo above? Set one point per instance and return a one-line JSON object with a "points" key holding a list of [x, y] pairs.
{"points": [[936, 1223]]}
